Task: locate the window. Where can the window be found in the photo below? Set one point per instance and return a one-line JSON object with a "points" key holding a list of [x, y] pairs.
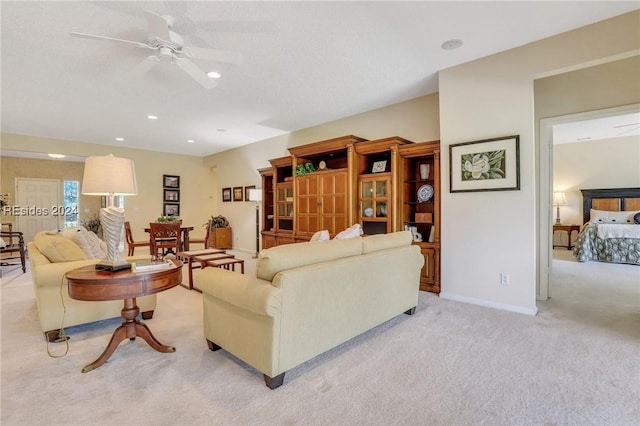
{"points": [[70, 213]]}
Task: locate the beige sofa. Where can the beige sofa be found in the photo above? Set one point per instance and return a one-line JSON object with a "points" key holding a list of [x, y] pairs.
{"points": [[308, 298], [51, 290]]}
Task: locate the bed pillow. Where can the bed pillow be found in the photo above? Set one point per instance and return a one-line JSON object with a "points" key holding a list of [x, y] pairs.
{"points": [[602, 216]]}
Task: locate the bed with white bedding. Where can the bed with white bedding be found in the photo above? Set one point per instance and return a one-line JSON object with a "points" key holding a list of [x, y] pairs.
{"points": [[611, 230]]}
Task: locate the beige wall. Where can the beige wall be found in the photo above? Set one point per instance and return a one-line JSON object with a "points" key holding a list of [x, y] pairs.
{"points": [[13, 168], [496, 232], [197, 200]]}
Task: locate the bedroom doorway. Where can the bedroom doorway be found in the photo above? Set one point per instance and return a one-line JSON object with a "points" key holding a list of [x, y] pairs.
{"points": [[550, 132]]}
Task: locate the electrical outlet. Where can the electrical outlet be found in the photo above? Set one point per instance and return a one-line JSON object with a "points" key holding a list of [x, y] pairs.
{"points": [[504, 279]]}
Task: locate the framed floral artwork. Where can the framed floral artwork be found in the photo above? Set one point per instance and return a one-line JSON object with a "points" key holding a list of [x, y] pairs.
{"points": [[485, 165]]}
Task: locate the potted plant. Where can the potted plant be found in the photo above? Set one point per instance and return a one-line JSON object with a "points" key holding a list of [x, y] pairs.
{"points": [[167, 219], [220, 233]]}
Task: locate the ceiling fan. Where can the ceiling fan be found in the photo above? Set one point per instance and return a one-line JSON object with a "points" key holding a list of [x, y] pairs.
{"points": [[169, 45]]}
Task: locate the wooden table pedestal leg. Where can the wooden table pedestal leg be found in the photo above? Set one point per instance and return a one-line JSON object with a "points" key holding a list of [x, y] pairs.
{"points": [[130, 328]]}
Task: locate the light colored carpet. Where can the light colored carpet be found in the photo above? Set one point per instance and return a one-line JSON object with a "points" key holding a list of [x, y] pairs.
{"points": [[576, 363]]}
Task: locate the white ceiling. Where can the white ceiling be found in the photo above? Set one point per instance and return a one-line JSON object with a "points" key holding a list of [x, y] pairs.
{"points": [[617, 126], [305, 63]]}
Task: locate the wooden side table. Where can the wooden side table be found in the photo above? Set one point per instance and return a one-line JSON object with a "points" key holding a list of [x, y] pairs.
{"points": [[569, 229], [90, 284]]}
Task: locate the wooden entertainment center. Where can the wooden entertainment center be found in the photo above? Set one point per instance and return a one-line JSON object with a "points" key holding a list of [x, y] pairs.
{"points": [[385, 185]]}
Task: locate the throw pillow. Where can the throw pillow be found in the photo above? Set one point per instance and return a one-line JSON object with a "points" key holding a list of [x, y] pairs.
{"points": [[79, 236], [57, 248], [352, 232], [321, 236]]}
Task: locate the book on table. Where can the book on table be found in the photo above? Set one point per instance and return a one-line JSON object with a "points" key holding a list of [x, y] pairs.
{"points": [[146, 265]]}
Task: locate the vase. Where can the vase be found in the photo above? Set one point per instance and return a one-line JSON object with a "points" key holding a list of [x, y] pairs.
{"points": [[424, 171]]}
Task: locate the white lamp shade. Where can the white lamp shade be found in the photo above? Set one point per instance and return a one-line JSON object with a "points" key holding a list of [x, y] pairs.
{"points": [[109, 175], [559, 199], [255, 195]]}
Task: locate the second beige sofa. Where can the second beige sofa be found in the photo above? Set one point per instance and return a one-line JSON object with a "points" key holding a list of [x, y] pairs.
{"points": [[308, 298]]}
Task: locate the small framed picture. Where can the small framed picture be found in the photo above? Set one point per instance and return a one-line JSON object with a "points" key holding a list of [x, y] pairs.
{"points": [[379, 166], [171, 195], [226, 194], [246, 192], [238, 193], [170, 181], [171, 210]]}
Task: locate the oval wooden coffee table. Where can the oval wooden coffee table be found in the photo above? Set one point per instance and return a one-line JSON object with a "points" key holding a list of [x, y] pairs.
{"points": [[89, 284]]}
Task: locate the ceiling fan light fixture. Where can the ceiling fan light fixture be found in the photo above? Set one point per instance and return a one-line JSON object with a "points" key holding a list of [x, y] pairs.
{"points": [[451, 44], [213, 74]]}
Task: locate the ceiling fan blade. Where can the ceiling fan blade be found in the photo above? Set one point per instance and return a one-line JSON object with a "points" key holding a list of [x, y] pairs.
{"points": [[99, 37], [196, 73], [158, 26], [213, 54], [144, 66]]}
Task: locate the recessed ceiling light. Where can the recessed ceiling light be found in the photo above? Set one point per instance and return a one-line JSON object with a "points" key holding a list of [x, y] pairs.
{"points": [[451, 44], [152, 117], [190, 141], [120, 139], [213, 74], [57, 156]]}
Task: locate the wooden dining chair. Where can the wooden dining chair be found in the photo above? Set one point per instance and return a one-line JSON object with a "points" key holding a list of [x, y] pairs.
{"points": [[205, 240], [165, 238], [131, 243], [14, 247]]}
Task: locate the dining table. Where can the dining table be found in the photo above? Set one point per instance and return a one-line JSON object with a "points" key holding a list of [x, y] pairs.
{"points": [[185, 236]]}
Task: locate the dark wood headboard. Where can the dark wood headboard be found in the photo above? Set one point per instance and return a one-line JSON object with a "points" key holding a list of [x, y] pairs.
{"points": [[615, 199]]}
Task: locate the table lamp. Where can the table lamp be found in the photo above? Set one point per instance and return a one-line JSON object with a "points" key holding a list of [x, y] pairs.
{"points": [[256, 196], [558, 200], [110, 176]]}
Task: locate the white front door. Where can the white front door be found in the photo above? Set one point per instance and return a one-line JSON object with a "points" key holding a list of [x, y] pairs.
{"points": [[37, 204]]}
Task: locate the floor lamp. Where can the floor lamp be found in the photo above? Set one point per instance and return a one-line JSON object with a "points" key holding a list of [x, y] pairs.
{"points": [[256, 196], [110, 176]]}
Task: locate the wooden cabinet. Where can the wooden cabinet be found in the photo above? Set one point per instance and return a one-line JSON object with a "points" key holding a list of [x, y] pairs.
{"points": [[284, 206], [267, 218], [419, 193], [376, 171], [324, 198], [382, 184], [374, 209], [321, 202], [221, 238]]}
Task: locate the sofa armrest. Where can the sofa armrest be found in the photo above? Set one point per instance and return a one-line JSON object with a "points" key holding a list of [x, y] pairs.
{"points": [[244, 291]]}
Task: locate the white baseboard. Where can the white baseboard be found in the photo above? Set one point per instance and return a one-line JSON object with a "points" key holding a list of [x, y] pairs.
{"points": [[511, 308]]}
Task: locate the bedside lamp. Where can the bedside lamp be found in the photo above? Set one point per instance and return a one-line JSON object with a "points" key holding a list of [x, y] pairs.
{"points": [[255, 195], [110, 176], [558, 200]]}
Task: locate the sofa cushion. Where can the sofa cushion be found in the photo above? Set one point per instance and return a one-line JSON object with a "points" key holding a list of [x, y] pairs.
{"points": [[386, 241], [57, 248], [288, 256]]}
